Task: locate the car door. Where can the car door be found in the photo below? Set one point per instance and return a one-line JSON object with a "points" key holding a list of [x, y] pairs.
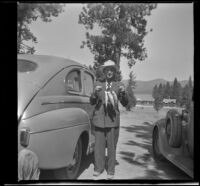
{"points": [[56, 94], [57, 117]]}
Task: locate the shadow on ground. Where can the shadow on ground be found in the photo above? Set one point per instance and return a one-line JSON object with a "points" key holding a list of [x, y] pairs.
{"points": [[86, 163], [60, 174], [153, 169], [143, 131]]}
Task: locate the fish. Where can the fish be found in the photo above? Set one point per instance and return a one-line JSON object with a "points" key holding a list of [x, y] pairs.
{"points": [[115, 97], [106, 98], [111, 98]]}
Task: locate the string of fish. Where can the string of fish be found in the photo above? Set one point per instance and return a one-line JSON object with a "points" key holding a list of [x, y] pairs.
{"points": [[110, 96]]}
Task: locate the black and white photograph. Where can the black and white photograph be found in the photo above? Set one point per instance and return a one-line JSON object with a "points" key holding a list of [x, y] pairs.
{"points": [[105, 91]]}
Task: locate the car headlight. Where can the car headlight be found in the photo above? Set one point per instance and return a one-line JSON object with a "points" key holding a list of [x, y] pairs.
{"points": [[24, 136]]}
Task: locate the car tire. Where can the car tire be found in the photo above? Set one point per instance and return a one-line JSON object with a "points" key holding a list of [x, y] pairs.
{"points": [[155, 145], [73, 171], [173, 128]]}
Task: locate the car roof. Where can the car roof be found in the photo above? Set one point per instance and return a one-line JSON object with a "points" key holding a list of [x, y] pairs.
{"points": [[47, 67], [53, 62]]}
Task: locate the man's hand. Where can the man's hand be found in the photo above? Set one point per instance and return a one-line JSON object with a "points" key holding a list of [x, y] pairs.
{"points": [[98, 88]]}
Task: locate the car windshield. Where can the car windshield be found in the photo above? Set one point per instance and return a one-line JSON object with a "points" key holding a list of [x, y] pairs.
{"points": [[26, 66]]}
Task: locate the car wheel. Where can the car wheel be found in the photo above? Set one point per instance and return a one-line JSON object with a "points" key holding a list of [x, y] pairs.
{"points": [[173, 128], [73, 170], [155, 144]]}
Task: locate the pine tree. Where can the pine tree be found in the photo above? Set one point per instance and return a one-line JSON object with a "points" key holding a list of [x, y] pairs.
{"points": [[167, 91], [160, 91], [190, 85], [123, 27], [155, 92], [163, 90], [177, 89], [131, 97], [158, 100], [171, 92], [187, 93]]}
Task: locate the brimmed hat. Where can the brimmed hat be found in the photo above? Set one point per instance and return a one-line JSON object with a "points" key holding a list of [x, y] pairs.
{"points": [[110, 64]]}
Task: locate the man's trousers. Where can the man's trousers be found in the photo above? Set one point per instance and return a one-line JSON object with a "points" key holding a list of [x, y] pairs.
{"points": [[116, 136], [103, 136]]}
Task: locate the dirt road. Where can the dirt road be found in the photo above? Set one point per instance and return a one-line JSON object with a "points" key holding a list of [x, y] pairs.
{"points": [[134, 150]]}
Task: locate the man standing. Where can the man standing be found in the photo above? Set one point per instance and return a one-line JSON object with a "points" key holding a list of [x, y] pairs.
{"points": [[107, 118]]}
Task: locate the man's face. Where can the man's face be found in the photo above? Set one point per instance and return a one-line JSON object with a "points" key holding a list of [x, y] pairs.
{"points": [[109, 72]]}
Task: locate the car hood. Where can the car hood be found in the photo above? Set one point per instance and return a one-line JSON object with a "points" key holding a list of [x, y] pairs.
{"points": [[27, 89]]}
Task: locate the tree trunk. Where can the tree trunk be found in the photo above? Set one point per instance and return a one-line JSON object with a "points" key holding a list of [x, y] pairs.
{"points": [[118, 55]]}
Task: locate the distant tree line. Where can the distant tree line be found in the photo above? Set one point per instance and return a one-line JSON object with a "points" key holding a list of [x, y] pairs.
{"points": [[183, 95]]}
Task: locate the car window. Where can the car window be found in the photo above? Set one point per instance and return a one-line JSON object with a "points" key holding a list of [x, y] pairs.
{"points": [[25, 66], [88, 83], [73, 81]]}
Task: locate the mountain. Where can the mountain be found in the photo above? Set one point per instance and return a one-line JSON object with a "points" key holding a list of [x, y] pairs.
{"points": [[146, 87]]}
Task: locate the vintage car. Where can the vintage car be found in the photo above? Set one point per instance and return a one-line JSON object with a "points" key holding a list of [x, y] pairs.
{"points": [[54, 113], [173, 139]]}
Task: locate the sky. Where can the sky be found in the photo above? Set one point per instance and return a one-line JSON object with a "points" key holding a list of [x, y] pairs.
{"points": [[170, 46]]}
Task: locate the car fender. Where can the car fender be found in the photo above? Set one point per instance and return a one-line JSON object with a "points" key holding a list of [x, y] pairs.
{"points": [[164, 147], [174, 155], [54, 134], [160, 125], [163, 143]]}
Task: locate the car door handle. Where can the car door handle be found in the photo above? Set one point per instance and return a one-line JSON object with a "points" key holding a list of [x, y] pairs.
{"points": [[47, 103]]}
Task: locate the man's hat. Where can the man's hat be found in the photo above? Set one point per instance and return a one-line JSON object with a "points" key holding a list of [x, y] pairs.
{"points": [[110, 64]]}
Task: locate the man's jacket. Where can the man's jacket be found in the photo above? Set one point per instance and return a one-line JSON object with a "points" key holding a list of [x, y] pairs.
{"points": [[106, 113]]}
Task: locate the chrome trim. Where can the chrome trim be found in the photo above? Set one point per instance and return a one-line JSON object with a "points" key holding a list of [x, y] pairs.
{"points": [[65, 102], [47, 130]]}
